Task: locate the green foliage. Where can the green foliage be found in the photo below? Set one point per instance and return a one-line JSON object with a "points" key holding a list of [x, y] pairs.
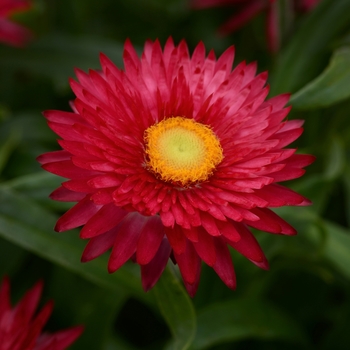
{"points": [[332, 86], [302, 302]]}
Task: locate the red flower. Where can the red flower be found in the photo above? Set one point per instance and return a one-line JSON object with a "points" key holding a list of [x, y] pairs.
{"points": [[10, 32], [20, 329], [175, 156], [248, 9]]}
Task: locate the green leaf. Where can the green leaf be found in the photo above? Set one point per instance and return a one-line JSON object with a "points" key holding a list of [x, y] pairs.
{"points": [[25, 223], [346, 182], [11, 257], [332, 86], [300, 61], [177, 309], [336, 246], [7, 147], [243, 318], [55, 56]]}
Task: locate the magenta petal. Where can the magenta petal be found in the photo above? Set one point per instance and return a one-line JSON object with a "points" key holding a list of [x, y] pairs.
{"points": [[270, 222], [205, 247], [78, 215], [99, 245], [192, 287], [151, 272], [229, 231], [248, 246], [126, 240], [223, 265], [176, 239], [59, 340], [209, 223], [64, 195], [105, 219], [188, 263], [28, 304], [150, 239]]}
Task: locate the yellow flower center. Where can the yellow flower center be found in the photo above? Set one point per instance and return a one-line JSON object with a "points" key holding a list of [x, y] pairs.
{"points": [[181, 150]]}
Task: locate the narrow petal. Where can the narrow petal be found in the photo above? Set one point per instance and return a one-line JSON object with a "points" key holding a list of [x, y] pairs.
{"points": [[249, 247], [126, 240], [151, 272], [78, 215], [176, 239], [188, 263], [99, 245], [105, 219], [205, 247], [150, 239], [223, 265]]}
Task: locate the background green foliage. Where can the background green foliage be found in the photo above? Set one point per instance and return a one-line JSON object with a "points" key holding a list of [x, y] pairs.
{"points": [[302, 302]]}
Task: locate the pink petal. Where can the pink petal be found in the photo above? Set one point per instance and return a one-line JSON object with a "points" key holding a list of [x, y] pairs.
{"points": [[151, 272], [99, 245], [205, 247], [150, 239], [64, 195], [270, 222], [188, 263], [223, 265], [78, 215], [105, 219], [126, 240], [176, 239], [248, 246]]}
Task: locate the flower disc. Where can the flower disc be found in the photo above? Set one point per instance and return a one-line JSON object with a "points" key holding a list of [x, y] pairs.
{"points": [[181, 150]]}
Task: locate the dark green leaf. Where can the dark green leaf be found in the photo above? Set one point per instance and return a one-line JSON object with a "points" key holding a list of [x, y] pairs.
{"points": [[243, 318], [177, 309], [28, 225], [336, 246], [56, 56], [7, 147], [300, 60], [332, 86]]}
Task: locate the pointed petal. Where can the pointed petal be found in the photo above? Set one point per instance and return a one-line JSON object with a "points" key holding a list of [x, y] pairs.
{"points": [[151, 272]]}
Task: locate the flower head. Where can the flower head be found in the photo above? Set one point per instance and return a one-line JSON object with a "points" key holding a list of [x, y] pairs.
{"points": [[21, 329], [248, 9], [177, 156], [10, 32]]}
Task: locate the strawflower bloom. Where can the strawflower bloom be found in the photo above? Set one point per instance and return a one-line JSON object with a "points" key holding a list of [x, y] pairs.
{"points": [[21, 329], [174, 157], [248, 9], [10, 32]]}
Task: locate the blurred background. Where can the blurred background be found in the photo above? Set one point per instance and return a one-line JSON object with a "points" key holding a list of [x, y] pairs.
{"points": [[303, 301]]}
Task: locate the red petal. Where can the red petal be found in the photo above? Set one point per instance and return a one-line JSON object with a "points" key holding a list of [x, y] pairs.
{"points": [[277, 196], [67, 169], [99, 245], [150, 239], [192, 287], [53, 157], [205, 247], [229, 231], [126, 240], [151, 272], [270, 222], [209, 223], [223, 265], [64, 195], [188, 263], [105, 219], [58, 340], [176, 239], [77, 215], [248, 246]]}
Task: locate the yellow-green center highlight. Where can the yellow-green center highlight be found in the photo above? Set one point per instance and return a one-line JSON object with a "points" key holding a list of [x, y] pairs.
{"points": [[181, 150]]}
